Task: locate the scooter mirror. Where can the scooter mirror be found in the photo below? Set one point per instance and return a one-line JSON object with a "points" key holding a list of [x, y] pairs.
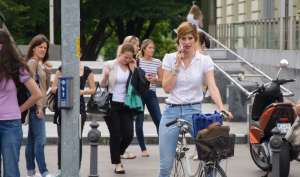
{"points": [[284, 63]]}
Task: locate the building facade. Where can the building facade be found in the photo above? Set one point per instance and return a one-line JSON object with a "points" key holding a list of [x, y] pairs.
{"points": [[258, 23]]}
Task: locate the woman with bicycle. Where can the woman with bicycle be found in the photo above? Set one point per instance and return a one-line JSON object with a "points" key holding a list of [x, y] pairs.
{"points": [[183, 73]]}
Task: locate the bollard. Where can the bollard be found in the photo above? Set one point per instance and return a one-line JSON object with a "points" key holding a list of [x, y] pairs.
{"points": [[275, 143], [94, 137]]}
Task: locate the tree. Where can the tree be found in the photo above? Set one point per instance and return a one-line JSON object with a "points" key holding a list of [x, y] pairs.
{"points": [[100, 19], [25, 18]]}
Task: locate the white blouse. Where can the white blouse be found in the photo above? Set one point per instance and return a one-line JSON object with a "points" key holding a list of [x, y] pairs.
{"points": [[119, 88], [188, 87]]}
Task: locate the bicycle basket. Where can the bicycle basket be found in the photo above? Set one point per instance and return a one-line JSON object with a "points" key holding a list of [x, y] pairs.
{"points": [[202, 121], [215, 148]]}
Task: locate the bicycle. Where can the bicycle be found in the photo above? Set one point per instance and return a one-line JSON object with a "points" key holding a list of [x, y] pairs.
{"points": [[184, 165]]}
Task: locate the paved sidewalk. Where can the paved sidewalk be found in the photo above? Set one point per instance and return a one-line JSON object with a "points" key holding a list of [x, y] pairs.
{"points": [[240, 165]]}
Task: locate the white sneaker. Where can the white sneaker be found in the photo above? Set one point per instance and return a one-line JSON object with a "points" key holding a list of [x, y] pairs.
{"points": [[36, 175], [58, 174], [49, 175]]}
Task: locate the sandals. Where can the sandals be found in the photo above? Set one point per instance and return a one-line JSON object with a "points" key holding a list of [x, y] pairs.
{"points": [[145, 154], [122, 171], [128, 155]]}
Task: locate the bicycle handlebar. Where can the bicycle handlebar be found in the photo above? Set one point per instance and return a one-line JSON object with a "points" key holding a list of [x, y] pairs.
{"points": [[223, 114]]}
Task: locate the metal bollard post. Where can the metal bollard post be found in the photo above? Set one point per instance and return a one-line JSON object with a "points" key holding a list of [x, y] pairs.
{"points": [[94, 137], [275, 143]]}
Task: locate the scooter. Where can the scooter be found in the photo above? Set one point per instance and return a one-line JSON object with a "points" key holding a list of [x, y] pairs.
{"points": [[270, 110]]}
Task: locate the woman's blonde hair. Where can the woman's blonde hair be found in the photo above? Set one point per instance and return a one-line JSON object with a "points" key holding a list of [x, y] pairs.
{"points": [[185, 28], [128, 40], [131, 40], [126, 48], [144, 45]]}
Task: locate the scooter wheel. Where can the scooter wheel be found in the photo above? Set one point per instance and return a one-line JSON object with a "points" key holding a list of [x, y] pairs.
{"points": [[259, 157]]}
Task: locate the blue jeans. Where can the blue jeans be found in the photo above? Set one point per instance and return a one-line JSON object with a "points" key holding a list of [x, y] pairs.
{"points": [[168, 135], [35, 145], [151, 101], [10, 144]]}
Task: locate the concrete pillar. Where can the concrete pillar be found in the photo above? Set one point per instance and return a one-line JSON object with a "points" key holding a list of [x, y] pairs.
{"points": [[70, 18], [282, 25], [291, 25]]}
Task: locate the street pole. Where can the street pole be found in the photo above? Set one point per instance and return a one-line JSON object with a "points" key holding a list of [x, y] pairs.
{"points": [[70, 45], [282, 24], [51, 21]]}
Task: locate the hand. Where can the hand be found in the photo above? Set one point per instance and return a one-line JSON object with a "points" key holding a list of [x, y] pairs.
{"points": [[132, 65], [179, 57], [81, 92], [228, 114], [151, 78], [40, 113], [48, 67]]}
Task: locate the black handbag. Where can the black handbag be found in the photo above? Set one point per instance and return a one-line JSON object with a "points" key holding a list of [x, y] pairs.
{"points": [[99, 102]]}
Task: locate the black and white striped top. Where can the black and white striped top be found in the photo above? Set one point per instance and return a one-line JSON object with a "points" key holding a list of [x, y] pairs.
{"points": [[150, 67]]}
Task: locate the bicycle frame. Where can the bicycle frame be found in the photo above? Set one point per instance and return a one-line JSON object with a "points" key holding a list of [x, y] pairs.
{"points": [[186, 159], [183, 160]]}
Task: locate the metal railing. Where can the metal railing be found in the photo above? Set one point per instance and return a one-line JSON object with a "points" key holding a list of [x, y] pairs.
{"points": [[286, 92], [273, 33]]}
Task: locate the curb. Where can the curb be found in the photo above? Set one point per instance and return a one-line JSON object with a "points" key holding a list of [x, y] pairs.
{"points": [[150, 140]]}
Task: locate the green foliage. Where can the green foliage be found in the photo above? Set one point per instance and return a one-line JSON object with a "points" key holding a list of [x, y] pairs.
{"points": [[25, 18], [162, 37], [109, 50], [104, 23]]}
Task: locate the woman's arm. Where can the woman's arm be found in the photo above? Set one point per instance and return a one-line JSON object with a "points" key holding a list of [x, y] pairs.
{"points": [[214, 92], [55, 82], [92, 87], [170, 77], [33, 66], [169, 80], [157, 80], [35, 93], [104, 80], [297, 108], [159, 75]]}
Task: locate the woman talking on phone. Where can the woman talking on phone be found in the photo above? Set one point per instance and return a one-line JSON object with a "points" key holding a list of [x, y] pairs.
{"points": [[183, 73]]}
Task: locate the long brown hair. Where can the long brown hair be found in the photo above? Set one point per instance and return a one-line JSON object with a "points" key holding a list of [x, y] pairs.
{"points": [[36, 41], [10, 61]]}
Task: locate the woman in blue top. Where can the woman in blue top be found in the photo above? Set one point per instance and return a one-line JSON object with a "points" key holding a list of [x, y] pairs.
{"points": [[152, 68]]}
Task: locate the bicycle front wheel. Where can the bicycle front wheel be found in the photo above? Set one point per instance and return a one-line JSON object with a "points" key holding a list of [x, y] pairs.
{"points": [[178, 170], [212, 170]]}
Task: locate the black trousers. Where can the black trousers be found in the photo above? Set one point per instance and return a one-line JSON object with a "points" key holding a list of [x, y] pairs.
{"points": [[83, 119], [120, 125]]}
